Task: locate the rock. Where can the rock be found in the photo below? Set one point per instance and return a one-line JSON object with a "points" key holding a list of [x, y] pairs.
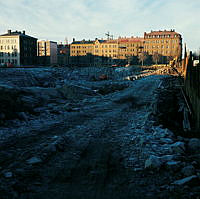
{"points": [[188, 170], [166, 148], [9, 102], [169, 133], [179, 138], [173, 165], [75, 92], [8, 174], [191, 181], [162, 133], [167, 158], [178, 147], [153, 162], [196, 158], [138, 169], [22, 116], [194, 145], [30, 102], [50, 148], [166, 140], [34, 160]]}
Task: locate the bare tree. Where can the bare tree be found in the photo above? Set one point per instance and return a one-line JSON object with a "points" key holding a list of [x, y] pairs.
{"points": [[169, 58], [156, 57], [142, 57]]}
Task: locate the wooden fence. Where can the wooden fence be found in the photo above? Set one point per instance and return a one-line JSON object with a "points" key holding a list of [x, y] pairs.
{"points": [[192, 88]]}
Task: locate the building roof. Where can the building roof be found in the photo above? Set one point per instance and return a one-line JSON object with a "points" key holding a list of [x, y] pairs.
{"points": [[17, 33], [89, 41], [110, 41], [82, 42], [160, 32], [131, 39], [47, 41]]}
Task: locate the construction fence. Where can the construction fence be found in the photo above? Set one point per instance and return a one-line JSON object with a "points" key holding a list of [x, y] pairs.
{"points": [[192, 88]]}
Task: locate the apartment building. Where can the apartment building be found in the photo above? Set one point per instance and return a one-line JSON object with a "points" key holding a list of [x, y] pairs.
{"points": [[47, 52], [81, 48], [165, 43], [129, 47], [18, 49], [168, 44], [106, 48]]}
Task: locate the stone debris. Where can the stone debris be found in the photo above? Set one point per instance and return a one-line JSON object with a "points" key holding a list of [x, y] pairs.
{"points": [[173, 165], [8, 174], [153, 162], [194, 145], [191, 180], [178, 147], [188, 170], [34, 160], [64, 127]]}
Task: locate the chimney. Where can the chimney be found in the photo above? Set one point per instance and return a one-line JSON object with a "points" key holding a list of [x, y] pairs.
{"points": [[24, 32], [73, 39], [9, 32]]}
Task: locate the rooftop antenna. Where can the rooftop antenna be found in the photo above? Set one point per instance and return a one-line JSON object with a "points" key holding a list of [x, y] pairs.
{"points": [[108, 35]]}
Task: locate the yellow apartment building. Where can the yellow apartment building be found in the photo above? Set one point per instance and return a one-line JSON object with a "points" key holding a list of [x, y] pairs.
{"points": [[130, 46], [166, 43], [106, 48], [81, 48]]}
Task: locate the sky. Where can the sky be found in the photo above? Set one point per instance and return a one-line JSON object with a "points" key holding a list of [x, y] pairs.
{"points": [[89, 19]]}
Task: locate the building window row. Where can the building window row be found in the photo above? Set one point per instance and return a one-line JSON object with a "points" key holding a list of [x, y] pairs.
{"points": [[8, 47], [8, 41], [161, 36], [13, 54], [13, 61]]}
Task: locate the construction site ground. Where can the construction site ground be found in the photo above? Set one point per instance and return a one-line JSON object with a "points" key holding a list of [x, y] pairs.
{"points": [[95, 133]]}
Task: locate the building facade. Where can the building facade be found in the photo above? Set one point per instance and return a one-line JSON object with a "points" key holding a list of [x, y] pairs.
{"points": [[18, 49], [81, 48], [165, 43], [47, 52], [129, 47], [63, 54], [104, 52]]}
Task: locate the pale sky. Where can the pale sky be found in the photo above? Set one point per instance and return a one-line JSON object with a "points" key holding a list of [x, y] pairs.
{"points": [[89, 19]]}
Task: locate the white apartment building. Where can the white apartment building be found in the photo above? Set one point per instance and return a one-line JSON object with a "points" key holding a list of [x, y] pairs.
{"points": [[18, 49]]}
